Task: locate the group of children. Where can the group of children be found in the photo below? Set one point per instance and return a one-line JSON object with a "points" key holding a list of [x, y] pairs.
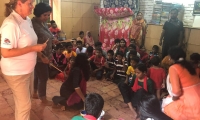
{"points": [[129, 67]]}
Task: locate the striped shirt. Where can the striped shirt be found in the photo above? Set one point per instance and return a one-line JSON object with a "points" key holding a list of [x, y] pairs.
{"points": [[119, 68]]}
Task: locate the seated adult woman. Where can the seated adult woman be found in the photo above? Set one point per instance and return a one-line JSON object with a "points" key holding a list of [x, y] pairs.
{"points": [[73, 90], [135, 87], [183, 102]]}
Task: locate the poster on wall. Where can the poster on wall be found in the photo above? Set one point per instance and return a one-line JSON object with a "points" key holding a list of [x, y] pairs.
{"points": [[196, 9]]}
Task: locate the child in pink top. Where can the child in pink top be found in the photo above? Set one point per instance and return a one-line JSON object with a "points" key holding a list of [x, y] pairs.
{"points": [[157, 74]]}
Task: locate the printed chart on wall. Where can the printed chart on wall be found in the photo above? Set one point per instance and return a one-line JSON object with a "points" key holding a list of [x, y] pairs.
{"points": [[196, 9]]}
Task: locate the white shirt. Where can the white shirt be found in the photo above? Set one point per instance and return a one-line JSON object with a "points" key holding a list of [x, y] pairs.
{"points": [[18, 33], [82, 51]]}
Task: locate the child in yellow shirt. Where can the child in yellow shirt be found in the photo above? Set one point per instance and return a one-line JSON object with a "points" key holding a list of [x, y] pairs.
{"points": [[130, 71], [68, 52]]}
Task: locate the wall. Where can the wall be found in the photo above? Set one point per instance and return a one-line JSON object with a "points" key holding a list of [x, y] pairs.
{"points": [[2, 9], [77, 15], [191, 38]]}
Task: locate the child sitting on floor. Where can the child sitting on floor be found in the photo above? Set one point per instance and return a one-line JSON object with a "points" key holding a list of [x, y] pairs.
{"points": [[68, 52], [89, 51], [154, 52], [122, 48], [54, 29], [119, 73], [110, 64], [195, 58], [98, 45], [158, 75], [64, 75], [93, 107], [58, 60], [131, 69], [97, 62], [132, 53], [131, 47], [116, 45], [80, 48]]}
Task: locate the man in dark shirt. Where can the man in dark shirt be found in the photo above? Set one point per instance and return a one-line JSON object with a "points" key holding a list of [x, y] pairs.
{"points": [[172, 33]]}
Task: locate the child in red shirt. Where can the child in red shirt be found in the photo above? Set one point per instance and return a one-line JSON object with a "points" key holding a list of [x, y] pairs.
{"points": [[54, 29], [97, 62], [157, 74]]}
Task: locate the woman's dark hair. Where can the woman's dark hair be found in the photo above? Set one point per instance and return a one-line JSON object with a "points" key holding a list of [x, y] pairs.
{"points": [[195, 57], [117, 40], [11, 6], [41, 8], [81, 61], [94, 104], [110, 52], [67, 44], [141, 67], [81, 32], [155, 60], [156, 48], [52, 22], [149, 107], [178, 55]]}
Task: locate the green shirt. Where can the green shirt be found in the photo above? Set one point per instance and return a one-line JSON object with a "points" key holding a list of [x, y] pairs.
{"points": [[78, 118]]}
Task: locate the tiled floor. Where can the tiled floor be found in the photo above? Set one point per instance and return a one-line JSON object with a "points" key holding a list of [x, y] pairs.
{"points": [[108, 90]]}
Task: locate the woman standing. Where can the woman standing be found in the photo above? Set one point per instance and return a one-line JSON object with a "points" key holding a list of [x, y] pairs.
{"points": [[89, 39], [138, 30], [183, 102], [18, 51], [42, 12], [73, 90]]}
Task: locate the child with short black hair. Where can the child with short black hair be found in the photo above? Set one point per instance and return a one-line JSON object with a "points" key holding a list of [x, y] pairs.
{"points": [[93, 107], [157, 74], [98, 45], [80, 48], [89, 51], [122, 48], [154, 52], [116, 45], [58, 60], [132, 53], [68, 52], [195, 58], [131, 47], [131, 69], [54, 29], [110, 64], [97, 62], [119, 73]]}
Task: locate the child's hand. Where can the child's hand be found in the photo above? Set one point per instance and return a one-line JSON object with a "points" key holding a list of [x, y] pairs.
{"points": [[112, 76], [163, 85]]}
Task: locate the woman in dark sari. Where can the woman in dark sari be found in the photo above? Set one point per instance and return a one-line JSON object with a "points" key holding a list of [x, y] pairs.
{"points": [[73, 90]]}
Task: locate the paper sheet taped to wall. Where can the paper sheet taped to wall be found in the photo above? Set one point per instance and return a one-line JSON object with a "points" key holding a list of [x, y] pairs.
{"points": [[196, 23]]}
